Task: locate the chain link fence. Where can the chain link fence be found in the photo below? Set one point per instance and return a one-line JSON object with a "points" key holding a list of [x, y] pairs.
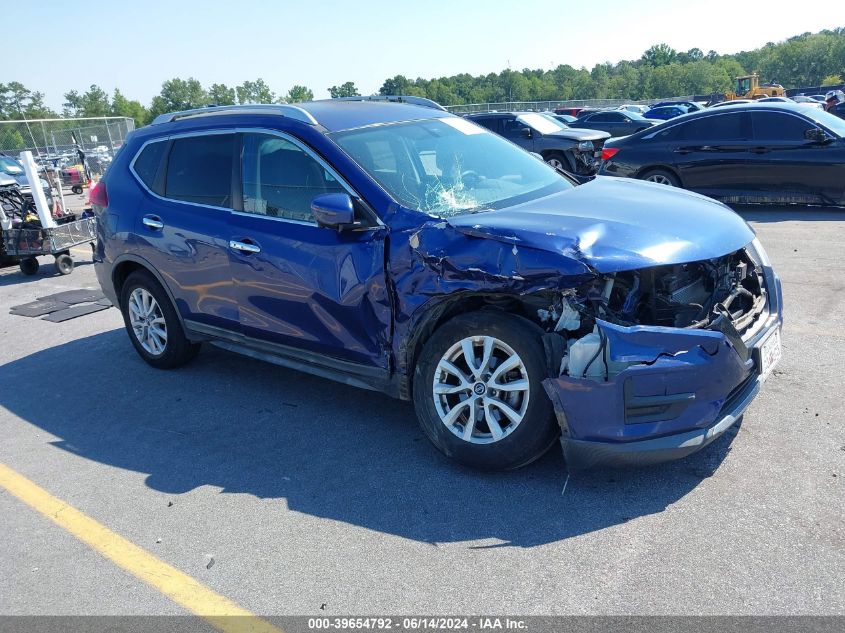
{"points": [[543, 106], [54, 137]]}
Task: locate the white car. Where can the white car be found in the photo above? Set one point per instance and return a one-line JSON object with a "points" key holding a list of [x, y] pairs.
{"points": [[634, 107]]}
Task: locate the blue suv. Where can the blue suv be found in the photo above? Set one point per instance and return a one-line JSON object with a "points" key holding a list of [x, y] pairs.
{"points": [[390, 245]]}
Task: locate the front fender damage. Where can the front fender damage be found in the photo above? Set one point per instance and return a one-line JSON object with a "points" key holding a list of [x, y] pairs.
{"points": [[435, 264]]}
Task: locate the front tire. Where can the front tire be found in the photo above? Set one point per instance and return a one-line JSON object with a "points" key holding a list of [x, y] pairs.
{"points": [[478, 392], [559, 162], [152, 323]]}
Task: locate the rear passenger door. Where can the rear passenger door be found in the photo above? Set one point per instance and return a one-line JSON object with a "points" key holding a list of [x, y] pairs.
{"points": [[183, 222], [304, 286], [617, 123]]}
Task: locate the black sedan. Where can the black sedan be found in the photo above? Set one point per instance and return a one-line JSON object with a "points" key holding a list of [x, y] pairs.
{"points": [[614, 122], [759, 152]]}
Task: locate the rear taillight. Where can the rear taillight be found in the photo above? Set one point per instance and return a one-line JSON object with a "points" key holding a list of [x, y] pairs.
{"points": [[98, 195], [609, 152]]}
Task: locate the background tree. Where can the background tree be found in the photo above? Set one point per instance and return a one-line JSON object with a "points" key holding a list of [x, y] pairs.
{"points": [[298, 94], [809, 59], [347, 89], [121, 106], [93, 102], [255, 92], [17, 101], [659, 55], [221, 94], [178, 94]]}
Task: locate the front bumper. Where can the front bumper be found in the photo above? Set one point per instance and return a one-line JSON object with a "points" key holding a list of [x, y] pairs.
{"points": [[681, 390]]}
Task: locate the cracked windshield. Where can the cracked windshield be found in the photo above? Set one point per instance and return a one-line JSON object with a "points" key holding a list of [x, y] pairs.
{"points": [[450, 166]]}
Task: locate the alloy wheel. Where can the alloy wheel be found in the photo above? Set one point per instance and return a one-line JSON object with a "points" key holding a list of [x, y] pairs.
{"points": [[147, 321], [660, 179], [481, 389]]}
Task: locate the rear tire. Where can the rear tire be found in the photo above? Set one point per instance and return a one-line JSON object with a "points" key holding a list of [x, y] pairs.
{"points": [[29, 266], [469, 419], [661, 177], [152, 323]]}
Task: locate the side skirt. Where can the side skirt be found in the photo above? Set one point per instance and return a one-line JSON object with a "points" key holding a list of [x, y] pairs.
{"points": [[346, 372]]}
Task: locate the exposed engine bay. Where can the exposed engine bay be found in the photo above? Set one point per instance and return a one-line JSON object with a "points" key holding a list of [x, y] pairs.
{"points": [[725, 294]]}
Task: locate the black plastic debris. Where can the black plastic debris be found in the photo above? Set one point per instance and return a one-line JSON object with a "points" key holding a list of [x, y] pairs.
{"points": [[74, 311], [38, 308], [63, 306], [75, 296]]}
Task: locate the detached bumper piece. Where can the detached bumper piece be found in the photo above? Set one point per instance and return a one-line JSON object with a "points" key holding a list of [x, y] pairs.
{"points": [[678, 391], [581, 454]]}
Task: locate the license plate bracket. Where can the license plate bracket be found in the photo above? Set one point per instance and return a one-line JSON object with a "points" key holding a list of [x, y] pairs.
{"points": [[770, 352]]}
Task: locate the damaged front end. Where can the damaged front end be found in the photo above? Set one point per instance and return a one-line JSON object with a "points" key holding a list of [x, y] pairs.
{"points": [[656, 363]]}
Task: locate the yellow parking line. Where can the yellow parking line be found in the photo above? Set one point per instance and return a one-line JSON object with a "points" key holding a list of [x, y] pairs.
{"points": [[217, 610]]}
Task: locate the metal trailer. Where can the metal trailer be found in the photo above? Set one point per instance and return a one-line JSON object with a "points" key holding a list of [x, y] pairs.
{"points": [[25, 242]]}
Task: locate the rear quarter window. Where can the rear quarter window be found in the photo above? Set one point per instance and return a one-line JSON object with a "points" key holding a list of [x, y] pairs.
{"points": [[147, 164]]}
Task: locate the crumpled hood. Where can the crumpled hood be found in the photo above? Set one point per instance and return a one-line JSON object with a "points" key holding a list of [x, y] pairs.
{"points": [[616, 224], [579, 134]]}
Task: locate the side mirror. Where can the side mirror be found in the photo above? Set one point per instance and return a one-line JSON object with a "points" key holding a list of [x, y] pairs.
{"points": [[334, 211], [816, 135], [526, 132]]}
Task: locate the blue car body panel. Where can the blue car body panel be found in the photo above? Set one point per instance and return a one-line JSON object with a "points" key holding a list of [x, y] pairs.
{"points": [[615, 224], [364, 297]]}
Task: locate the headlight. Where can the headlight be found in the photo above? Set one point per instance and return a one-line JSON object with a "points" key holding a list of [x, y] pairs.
{"points": [[760, 252], [585, 146]]}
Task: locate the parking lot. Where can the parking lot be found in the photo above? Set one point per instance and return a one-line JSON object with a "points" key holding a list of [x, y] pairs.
{"points": [[290, 494]]}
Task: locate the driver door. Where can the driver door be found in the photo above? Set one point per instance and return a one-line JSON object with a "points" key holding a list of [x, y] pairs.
{"points": [[518, 132], [298, 284]]}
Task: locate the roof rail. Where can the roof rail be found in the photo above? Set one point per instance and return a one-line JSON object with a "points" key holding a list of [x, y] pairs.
{"points": [[419, 101], [292, 111]]}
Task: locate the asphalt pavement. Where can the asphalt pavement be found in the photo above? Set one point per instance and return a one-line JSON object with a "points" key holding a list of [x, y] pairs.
{"points": [[312, 497]]}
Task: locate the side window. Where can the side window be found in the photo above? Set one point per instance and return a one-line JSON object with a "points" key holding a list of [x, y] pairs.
{"points": [[774, 126], [199, 169], [722, 127], [671, 133], [513, 128], [602, 117], [147, 164], [491, 123], [280, 179]]}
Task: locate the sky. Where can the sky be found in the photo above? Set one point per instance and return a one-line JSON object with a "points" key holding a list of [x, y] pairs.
{"points": [[136, 46]]}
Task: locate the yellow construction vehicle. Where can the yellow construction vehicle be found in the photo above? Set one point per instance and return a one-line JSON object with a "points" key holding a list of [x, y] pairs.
{"points": [[748, 87]]}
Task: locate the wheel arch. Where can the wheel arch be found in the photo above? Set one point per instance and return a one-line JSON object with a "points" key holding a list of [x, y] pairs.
{"points": [[566, 154], [128, 264], [436, 316], [660, 167]]}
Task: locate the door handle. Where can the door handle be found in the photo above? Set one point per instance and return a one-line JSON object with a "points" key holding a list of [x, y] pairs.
{"points": [[244, 247], [683, 150], [760, 150], [153, 222]]}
